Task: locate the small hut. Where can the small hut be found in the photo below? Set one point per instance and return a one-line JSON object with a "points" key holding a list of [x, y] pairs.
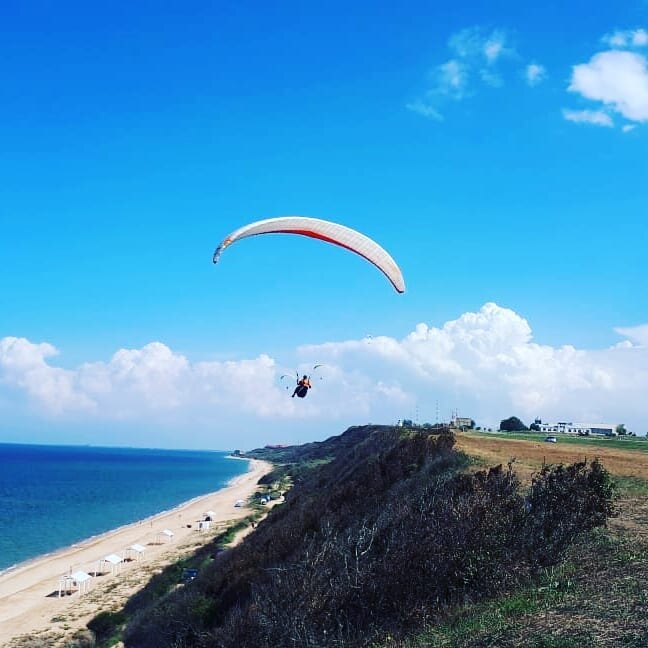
{"points": [[136, 550], [165, 533], [113, 560], [79, 580]]}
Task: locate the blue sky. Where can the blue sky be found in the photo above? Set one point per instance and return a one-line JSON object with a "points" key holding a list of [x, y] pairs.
{"points": [[498, 152]]}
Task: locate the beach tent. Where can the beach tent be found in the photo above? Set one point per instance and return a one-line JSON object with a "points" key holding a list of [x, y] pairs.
{"points": [[204, 525], [113, 560], [138, 549], [209, 515], [66, 583], [82, 580], [79, 579], [167, 533]]}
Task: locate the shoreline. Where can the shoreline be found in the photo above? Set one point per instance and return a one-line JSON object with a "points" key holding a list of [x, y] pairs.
{"points": [[28, 590], [85, 542]]}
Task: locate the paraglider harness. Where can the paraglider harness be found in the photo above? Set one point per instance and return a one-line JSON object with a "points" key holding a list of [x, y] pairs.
{"points": [[303, 385]]}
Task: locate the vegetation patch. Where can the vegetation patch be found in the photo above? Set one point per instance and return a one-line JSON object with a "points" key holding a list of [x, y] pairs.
{"points": [[595, 597], [107, 627], [390, 535]]}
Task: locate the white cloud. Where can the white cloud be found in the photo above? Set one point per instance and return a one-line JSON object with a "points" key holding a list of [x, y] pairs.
{"points": [[23, 365], [626, 128], [616, 79], [596, 117], [477, 56], [482, 48], [452, 78], [535, 74], [485, 363], [627, 38], [493, 49], [637, 334], [426, 110]]}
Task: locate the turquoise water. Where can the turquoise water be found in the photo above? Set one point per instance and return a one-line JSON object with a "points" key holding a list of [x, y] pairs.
{"points": [[53, 496]]}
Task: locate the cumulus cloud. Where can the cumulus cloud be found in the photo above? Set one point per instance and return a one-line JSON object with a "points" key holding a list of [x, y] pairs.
{"points": [[616, 81], [485, 363], [596, 117], [535, 74], [25, 366]]}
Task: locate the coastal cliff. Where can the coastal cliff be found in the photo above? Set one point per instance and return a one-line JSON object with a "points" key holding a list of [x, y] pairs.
{"points": [[384, 531]]}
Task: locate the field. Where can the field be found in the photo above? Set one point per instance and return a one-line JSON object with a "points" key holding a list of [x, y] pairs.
{"points": [[622, 457], [597, 597], [626, 442]]}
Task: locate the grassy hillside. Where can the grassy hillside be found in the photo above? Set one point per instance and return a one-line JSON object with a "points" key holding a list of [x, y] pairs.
{"points": [[595, 597], [383, 535]]}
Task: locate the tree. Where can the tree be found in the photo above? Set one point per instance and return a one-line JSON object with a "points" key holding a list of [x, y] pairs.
{"points": [[512, 424], [621, 429]]}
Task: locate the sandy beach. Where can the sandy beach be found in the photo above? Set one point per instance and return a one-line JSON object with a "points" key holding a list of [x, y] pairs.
{"points": [[30, 606]]}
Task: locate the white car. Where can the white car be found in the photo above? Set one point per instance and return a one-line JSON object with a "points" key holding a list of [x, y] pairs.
{"points": [[551, 439]]}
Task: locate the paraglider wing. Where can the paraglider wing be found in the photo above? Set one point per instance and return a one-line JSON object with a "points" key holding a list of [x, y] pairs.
{"points": [[287, 380], [318, 373], [325, 231]]}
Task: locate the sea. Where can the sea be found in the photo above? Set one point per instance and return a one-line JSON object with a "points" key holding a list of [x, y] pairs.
{"points": [[54, 496]]}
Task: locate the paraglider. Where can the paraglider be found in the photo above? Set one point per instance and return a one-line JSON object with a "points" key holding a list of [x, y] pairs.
{"points": [[303, 383], [325, 231]]}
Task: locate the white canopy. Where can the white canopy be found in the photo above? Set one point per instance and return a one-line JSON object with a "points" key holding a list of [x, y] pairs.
{"points": [[166, 532], [138, 549], [114, 560], [81, 577]]}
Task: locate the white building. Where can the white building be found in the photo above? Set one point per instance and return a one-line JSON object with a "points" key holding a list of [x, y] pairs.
{"points": [[584, 429]]}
